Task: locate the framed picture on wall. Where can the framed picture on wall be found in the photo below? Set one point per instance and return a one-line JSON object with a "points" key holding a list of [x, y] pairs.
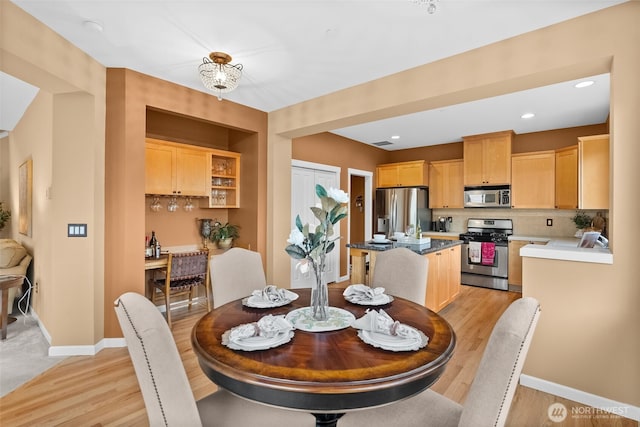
{"points": [[25, 182]]}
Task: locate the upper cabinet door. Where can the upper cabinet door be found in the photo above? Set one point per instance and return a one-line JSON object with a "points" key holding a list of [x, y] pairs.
{"points": [[402, 174], [176, 169], [192, 172], [533, 180], [446, 189], [159, 168], [387, 176], [487, 159], [412, 174], [567, 178], [593, 166]]}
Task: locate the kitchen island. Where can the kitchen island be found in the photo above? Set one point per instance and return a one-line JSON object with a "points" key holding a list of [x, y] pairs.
{"points": [[443, 281]]}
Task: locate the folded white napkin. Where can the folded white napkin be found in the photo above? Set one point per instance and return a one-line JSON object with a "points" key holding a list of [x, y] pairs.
{"points": [[382, 323], [272, 294], [268, 326], [363, 293]]}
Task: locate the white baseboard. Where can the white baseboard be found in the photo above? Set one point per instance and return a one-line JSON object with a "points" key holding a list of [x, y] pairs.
{"points": [[73, 350], [114, 343], [602, 403]]}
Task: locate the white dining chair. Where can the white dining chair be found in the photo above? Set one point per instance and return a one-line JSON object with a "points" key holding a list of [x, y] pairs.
{"points": [[235, 274], [403, 273], [164, 384], [491, 393]]}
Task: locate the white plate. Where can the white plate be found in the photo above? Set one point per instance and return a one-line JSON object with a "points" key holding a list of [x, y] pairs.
{"points": [[380, 301], [392, 342], [380, 242], [302, 319], [258, 342], [257, 302]]}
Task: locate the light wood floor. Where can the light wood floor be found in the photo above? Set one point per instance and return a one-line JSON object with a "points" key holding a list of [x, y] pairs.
{"points": [[102, 390]]}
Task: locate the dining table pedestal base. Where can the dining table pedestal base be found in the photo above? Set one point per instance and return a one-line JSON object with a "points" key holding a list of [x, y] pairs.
{"points": [[327, 420]]}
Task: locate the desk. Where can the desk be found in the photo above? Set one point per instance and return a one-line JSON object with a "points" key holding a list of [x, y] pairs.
{"points": [[156, 263], [6, 283], [325, 373]]}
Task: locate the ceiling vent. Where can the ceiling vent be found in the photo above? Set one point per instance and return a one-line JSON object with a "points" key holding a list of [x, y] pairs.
{"points": [[382, 143]]}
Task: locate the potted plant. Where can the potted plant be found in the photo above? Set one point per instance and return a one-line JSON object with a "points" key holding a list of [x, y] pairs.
{"points": [[582, 221], [4, 217], [223, 235]]}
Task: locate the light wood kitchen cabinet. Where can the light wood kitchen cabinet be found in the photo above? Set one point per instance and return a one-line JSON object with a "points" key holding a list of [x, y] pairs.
{"points": [[533, 180], [593, 172], [443, 277], [225, 179], [446, 187], [176, 169], [515, 260], [567, 178], [402, 174], [443, 282], [487, 158]]}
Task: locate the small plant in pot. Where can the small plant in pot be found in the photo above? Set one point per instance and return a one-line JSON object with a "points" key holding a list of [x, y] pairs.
{"points": [[582, 221], [223, 235]]}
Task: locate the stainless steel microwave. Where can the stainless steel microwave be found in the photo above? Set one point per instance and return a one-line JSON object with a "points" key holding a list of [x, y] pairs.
{"points": [[497, 196]]}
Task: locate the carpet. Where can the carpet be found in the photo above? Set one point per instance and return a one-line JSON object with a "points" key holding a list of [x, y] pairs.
{"points": [[24, 354]]}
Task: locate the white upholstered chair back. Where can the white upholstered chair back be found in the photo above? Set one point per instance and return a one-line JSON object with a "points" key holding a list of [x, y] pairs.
{"points": [[495, 383], [161, 375], [235, 274], [402, 273]]}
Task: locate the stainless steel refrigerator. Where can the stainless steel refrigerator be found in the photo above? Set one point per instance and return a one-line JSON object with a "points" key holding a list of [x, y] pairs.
{"points": [[398, 207]]}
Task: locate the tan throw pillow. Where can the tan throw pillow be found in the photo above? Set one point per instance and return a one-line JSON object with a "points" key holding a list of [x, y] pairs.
{"points": [[11, 253]]}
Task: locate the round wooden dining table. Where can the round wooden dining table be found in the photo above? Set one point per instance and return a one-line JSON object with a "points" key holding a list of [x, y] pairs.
{"points": [[324, 373]]}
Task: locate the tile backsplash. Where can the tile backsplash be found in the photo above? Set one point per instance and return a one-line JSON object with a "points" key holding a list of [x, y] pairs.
{"points": [[526, 222]]}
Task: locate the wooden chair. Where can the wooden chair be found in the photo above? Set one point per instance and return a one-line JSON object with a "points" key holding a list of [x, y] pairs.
{"points": [[402, 273], [235, 274], [164, 384], [491, 393], [185, 272]]}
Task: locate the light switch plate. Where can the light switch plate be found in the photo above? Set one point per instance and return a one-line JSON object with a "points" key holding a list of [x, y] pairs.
{"points": [[76, 230]]}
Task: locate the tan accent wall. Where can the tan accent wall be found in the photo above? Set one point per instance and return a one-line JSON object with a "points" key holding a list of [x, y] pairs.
{"points": [[605, 41], [554, 139], [334, 150], [444, 151], [356, 214], [62, 131], [129, 96], [584, 337]]}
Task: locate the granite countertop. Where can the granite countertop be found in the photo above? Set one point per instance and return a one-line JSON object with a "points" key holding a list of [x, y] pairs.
{"points": [[423, 249]]}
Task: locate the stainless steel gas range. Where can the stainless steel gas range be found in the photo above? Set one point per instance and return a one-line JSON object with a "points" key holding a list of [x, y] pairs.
{"points": [[485, 253]]}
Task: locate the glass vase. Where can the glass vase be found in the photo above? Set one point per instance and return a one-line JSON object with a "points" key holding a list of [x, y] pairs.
{"points": [[320, 297]]}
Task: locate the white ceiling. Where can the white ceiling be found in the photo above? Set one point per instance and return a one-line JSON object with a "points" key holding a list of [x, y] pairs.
{"points": [[294, 50]]}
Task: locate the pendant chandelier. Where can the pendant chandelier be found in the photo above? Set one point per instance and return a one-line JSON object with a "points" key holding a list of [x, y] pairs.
{"points": [[218, 75], [429, 4]]}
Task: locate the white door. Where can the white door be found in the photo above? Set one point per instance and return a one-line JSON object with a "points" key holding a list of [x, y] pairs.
{"points": [[303, 196]]}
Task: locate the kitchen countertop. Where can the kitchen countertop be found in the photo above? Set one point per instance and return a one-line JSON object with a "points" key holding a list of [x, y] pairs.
{"points": [[434, 246], [530, 238], [566, 249]]}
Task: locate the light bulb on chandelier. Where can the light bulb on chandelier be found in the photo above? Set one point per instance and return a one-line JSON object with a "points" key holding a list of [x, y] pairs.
{"points": [[218, 74], [430, 4]]}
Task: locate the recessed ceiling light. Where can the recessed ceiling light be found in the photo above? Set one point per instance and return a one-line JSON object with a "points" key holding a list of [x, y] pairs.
{"points": [[527, 116], [395, 137], [585, 83]]}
